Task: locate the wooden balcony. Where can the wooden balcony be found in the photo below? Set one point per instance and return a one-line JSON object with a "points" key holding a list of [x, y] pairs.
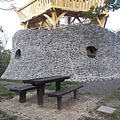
{"points": [[51, 11]]}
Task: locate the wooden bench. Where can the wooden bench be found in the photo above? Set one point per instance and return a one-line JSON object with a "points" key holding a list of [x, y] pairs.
{"points": [[22, 91], [60, 93]]}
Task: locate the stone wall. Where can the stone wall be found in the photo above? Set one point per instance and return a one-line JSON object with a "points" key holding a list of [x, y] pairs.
{"points": [[40, 53]]}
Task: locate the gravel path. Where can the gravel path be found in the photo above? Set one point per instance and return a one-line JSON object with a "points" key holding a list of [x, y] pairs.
{"points": [[101, 88], [73, 109], [12, 84]]}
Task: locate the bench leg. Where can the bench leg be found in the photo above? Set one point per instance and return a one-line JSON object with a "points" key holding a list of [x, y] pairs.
{"points": [[40, 90], [44, 90], [22, 97], [75, 94], [59, 103]]}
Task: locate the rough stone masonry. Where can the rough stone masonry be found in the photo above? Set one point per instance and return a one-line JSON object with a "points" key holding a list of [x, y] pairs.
{"points": [[41, 53]]}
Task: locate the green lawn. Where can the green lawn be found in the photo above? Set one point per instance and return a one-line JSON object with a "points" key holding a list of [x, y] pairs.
{"points": [[16, 81], [4, 92], [63, 84], [89, 118], [114, 116]]}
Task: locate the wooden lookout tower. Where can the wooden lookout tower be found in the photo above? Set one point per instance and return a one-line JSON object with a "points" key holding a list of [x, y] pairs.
{"points": [[48, 13]]}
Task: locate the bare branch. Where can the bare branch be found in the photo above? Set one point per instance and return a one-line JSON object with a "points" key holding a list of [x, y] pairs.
{"points": [[8, 9], [3, 39], [6, 0], [1, 30]]}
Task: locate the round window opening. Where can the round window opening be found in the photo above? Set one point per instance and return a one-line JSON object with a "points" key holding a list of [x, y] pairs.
{"points": [[91, 51], [18, 54]]}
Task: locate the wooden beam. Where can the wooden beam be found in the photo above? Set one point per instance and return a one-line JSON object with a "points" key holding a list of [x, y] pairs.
{"points": [[20, 14], [79, 20], [26, 25], [26, 5], [49, 18], [99, 22], [60, 16], [53, 13], [73, 20], [47, 24]]}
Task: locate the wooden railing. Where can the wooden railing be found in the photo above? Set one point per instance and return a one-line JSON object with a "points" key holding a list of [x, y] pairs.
{"points": [[77, 5], [37, 7]]}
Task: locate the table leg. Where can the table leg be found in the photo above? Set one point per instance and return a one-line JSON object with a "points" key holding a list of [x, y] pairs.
{"points": [[22, 97], [58, 85], [40, 90]]}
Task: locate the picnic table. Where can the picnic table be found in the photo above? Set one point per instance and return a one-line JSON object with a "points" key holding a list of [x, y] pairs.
{"points": [[40, 84]]}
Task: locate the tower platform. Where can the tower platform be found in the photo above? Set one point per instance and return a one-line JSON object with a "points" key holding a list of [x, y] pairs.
{"points": [[47, 13]]}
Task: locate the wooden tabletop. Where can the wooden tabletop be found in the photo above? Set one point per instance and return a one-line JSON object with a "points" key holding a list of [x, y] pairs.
{"points": [[39, 81]]}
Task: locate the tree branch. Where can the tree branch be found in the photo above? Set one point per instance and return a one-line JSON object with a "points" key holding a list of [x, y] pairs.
{"points": [[8, 9]]}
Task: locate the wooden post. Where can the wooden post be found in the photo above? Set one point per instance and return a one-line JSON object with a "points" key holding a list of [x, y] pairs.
{"points": [[40, 94], [75, 94], [59, 103], [22, 97], [58, 85]]}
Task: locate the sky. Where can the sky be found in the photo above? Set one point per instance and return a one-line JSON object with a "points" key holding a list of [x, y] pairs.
{"points": [[10, 21]]}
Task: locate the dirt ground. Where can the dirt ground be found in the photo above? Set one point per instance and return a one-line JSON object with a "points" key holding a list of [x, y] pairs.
{"points": [[73, 109]]}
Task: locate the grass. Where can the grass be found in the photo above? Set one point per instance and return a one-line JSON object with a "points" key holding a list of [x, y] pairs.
{"points": [[63, 84], [4, 92], [116, 114], [106, 100], [16, 81], [113, 116], [4, 116], [89, 118], [115, 95]]}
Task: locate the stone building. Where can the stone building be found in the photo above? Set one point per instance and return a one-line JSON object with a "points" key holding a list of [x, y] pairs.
{"points": [[85, 52]]}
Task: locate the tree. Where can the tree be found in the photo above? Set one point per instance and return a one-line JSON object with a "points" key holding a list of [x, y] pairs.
{"points": [[94, 12], [90, 14], [5, 58], [118, 32], [112, 4], [3, 38], [4, 54]]}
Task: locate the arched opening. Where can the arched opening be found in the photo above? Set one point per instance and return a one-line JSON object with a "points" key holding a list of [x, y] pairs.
{"points": [[91, 51], [18, 54]]}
